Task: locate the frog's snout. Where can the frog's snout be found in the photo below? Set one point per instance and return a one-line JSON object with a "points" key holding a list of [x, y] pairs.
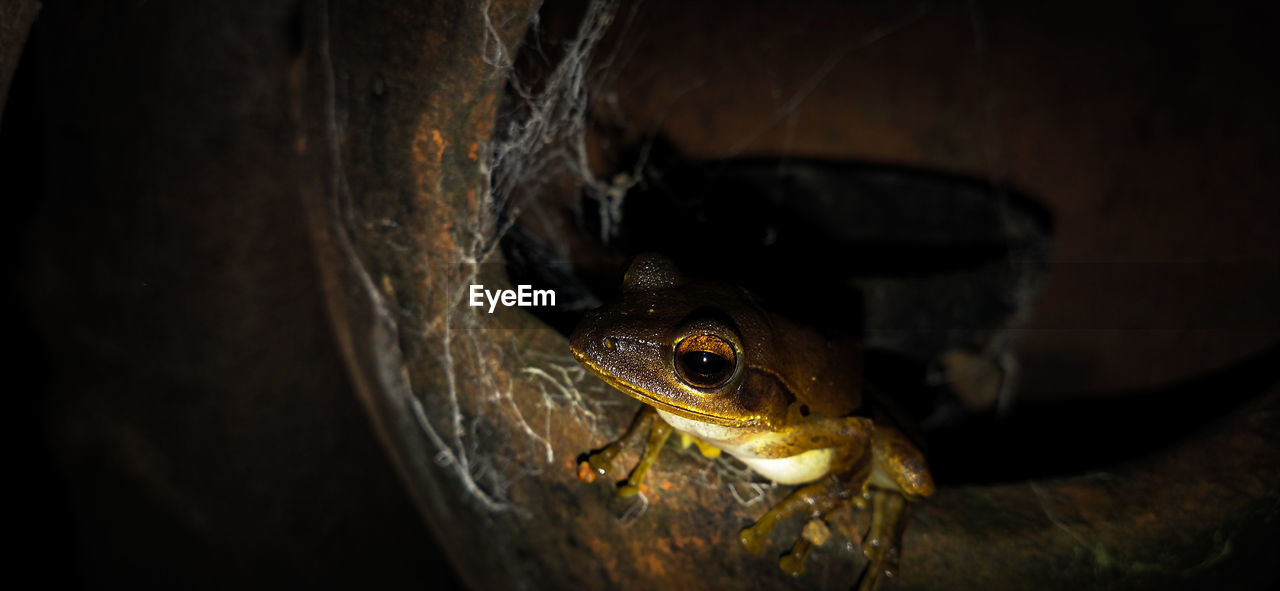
{"points": [[585, 336], [596, 342]]}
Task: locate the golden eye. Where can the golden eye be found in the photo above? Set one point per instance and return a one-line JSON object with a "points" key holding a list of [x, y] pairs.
{"points": [[705, 361]]}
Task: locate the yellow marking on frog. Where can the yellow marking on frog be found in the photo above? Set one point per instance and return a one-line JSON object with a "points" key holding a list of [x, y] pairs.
{"points": [[706, 449]]}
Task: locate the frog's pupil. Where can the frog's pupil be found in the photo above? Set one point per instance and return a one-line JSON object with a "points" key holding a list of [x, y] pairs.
{"points": [[705, 365]]}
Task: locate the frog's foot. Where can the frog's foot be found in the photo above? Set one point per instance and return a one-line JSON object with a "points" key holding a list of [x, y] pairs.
{"points": [[600, 462], [658, 434], [815, 500], [792, 562], [597, 463], [884, 538], [815, 533]]}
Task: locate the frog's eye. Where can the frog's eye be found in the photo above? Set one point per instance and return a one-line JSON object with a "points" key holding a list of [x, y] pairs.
{"points": [[705, 361]]}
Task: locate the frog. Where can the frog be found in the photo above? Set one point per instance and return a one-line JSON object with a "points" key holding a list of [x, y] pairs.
{"points": [[711, 364]]}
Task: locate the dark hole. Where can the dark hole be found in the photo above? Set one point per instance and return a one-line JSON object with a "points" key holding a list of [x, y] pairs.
{"points": [[920, 260]]}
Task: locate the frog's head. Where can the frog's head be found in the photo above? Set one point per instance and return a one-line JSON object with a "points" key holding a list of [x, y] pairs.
{"points": [[684, 347]]}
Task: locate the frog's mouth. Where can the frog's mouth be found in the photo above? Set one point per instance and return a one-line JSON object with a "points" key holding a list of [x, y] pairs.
{"points": [[662, 405]]}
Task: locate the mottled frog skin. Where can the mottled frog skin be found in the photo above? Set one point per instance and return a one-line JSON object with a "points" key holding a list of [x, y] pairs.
{"points": [[710, 364]]}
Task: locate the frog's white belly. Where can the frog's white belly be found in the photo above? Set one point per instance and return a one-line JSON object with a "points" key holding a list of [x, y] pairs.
{"points": [[798, 469]]}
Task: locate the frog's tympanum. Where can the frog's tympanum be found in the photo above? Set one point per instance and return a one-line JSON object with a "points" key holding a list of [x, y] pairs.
{"points": [[711, 365]]}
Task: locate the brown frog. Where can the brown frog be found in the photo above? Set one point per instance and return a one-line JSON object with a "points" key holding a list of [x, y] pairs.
{"points": [[710, 364]]}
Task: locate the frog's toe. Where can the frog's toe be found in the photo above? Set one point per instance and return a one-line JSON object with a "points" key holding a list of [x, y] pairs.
{"points": [[792, 562], [753, 538], [862, 501], [815, 533], [586, 473], [882, 557], [882, 563]]}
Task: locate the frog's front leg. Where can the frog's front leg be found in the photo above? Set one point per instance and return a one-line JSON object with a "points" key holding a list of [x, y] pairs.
{"points": [[646, 421], [844, 483], [816, 500]]}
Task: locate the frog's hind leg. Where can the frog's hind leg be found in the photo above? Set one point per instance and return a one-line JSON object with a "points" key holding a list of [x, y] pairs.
{"points": [[889, 511]]}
